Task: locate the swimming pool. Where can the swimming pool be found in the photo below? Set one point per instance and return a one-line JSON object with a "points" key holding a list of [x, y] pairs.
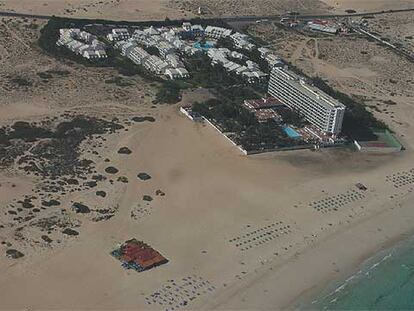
{"points": [[207, 45], [291, 132]]}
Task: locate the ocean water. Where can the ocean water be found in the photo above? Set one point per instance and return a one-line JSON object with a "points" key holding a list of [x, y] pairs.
{"points": [[384, 282]]}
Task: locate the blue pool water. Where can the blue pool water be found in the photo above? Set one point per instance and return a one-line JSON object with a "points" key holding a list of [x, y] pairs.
{"points": [[291, 132], [385, 282], [207, 45]]}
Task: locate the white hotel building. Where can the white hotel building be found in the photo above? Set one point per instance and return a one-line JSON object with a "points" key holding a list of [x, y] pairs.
{"points": [[318, 108]]}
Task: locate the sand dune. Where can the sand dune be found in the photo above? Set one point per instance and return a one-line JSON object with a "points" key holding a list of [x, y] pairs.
{"points": [[108, 9], [369, 5]]}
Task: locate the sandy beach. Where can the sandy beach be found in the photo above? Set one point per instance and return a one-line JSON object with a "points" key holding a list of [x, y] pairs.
{"points": [[235, 195]]}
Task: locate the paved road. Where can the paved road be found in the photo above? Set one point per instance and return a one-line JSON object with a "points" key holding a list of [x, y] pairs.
{"points": [[235, 18], [305, 17], [13, 14]]}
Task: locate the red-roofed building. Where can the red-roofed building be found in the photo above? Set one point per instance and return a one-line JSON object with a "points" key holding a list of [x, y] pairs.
{"points": [[141, 254], [264, 103]]}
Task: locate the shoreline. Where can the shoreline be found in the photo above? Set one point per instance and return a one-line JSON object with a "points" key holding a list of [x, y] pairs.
{"points": [[395, 250], [321, 279], [378, 251]]}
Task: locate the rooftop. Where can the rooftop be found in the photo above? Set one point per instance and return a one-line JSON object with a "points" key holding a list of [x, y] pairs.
{"points": [[309, 90]]}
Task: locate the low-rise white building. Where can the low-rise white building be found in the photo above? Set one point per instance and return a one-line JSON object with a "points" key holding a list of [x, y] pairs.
{"points": [[81, 43], [151, 31], [155, 64], [217, 32], [190, 31], [174, 61], [118, 34], [236, 55], [323, 26], [251, 72], [138, 55], [272, 59], [177, 73], [242, 41]]}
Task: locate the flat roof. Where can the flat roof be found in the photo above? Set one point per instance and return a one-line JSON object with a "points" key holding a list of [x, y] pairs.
{"points": [[262, 103]]}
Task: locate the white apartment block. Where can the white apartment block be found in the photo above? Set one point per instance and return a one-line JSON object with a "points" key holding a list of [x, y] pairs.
{"points": [[151, 31], [174, 61], [118, 34], [217, 32], [155, 64], [165, 48], [189, 50], [318, 108], [178, 73], [242, 41], [82, 43], [236, 55], [137, 55], [125, 46], [272, 59], [188, 31], [251, 72]]}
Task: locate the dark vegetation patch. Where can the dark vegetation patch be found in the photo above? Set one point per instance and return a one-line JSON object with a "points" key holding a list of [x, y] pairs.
{"points": [[101, 193], [144, 176], [123, 179], [49, 74], [147, 198], [124, 150], [104, 214], [358, 121], [14, 253], [51, 203], [102, 217], [46, 239], [20, 81], [143, 119], [72, 181], [98, 177], [159, 192], [56, 152], [119, 81], [90, 184], [69, 231], [111, 170], [54, 222], [80, 208], [26, 203], [390, 102]]}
